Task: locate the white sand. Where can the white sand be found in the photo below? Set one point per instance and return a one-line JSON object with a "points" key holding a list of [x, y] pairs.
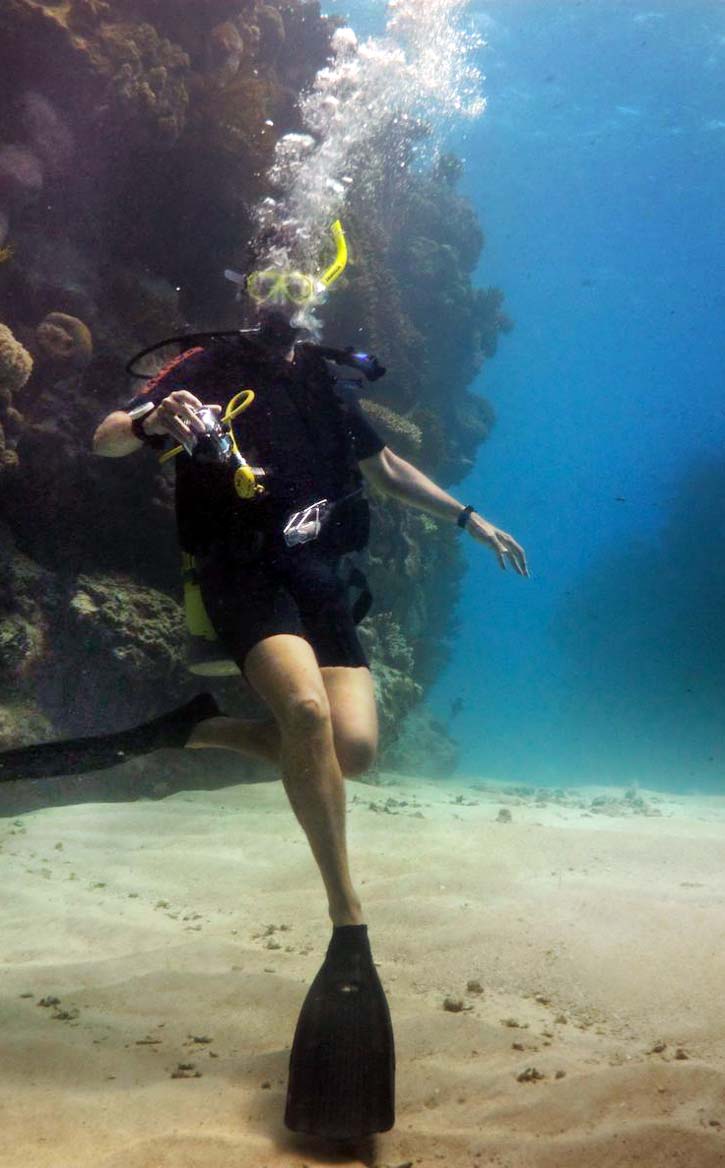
{"points": [[600, 935]]}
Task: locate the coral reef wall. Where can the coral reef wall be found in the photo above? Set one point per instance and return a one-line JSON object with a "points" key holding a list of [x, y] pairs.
{"points": [[134, 140]]}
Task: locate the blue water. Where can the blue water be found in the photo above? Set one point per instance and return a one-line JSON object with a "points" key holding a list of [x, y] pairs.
{"points": [[598, 171]]}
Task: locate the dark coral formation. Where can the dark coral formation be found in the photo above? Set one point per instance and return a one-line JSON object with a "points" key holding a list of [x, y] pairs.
{"points": [[16, 366], [28, 602], [16, 363], [147, 126], [422, 746], [64, 339]]}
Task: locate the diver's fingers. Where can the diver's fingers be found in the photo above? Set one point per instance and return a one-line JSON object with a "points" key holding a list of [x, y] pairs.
{"points": [[517, 555], [167, 421], [499, 550], [503, 545], [181, 407], [183, 395], [177, 429], [181, 401]]}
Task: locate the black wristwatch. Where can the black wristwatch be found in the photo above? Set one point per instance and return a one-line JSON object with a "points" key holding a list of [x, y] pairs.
{"points": [[155, 441], [465, 515]]}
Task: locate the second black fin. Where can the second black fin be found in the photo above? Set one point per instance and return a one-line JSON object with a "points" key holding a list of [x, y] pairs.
{"points": [[342, 1063], [75, 756]]}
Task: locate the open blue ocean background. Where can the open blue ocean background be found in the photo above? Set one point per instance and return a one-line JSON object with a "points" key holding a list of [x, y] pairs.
{"points": [[598, 171]]}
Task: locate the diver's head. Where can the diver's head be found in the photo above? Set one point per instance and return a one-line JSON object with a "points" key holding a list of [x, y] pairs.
{"points": [[277, 327], [280, 289], [284, 302]]}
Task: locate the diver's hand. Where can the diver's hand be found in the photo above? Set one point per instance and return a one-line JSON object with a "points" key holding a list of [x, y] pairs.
{"points": [[503, 545], [176, 415]]}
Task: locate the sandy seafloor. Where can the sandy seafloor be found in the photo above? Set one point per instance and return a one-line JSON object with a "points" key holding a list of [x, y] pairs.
{"points": [[185, 931]]}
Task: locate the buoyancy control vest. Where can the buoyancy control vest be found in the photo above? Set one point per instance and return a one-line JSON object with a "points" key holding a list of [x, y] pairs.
{"points": [[346, 523], [302, 428]]}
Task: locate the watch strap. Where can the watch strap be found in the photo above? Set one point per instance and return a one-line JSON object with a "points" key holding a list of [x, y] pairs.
{"points": [[155, 441]]}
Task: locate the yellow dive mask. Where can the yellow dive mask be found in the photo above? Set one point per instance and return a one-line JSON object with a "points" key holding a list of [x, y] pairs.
{"points": [[274, 286]]}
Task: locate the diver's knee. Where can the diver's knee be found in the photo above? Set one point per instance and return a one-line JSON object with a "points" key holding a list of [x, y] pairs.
{"points": [[305, 713], [355, 756]]}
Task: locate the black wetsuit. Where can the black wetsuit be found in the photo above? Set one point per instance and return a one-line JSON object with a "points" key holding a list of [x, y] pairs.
{"points": [[308, 434]]}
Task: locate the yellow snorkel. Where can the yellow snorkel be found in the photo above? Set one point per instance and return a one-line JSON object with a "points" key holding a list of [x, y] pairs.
{"points": [[337, 267]]}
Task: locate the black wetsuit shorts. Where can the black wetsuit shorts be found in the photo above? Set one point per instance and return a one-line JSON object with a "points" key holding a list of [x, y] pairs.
{"points": [[298, 591]]}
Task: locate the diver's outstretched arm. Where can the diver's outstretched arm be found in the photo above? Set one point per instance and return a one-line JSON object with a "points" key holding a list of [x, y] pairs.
{"points": [[392, 475]]}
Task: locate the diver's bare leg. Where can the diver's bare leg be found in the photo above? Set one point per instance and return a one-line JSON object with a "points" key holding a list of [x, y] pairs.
{"points": [[256, 738], [283, 670], [351, 696]]}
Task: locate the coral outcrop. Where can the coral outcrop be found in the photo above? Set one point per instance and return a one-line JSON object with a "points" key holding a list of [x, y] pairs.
{"points": [[139, 629], [399, 432], [423, 746], [147, 77], [29, 600], [393, 663], [16, 364], [21, 175], [119, 649], [64, 338]]}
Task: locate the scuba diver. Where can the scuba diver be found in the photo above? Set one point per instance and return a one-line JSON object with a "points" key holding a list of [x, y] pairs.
{"points": [[266, 510]]}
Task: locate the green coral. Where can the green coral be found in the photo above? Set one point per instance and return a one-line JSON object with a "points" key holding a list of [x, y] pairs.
{"points": [[272, 35], [21, 724], [85, 15], [28, 598], [490, 319], [475, 419], [16, 364], [232, 120], [393, 665], [139, 629], [147, 74], [397, 429], [422, 746], [65, 338]]}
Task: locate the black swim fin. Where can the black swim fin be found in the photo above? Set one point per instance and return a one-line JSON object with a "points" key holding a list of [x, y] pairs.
{"points": [[342, 1064], [75, 756]]}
